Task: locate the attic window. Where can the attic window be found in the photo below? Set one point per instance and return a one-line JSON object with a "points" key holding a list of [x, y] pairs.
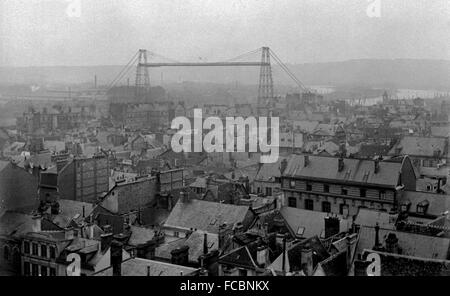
{"points": [[422, 207], [300, 230]]}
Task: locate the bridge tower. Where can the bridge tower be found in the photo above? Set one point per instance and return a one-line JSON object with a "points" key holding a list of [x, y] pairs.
{"points": [[142, 77], [265, 89]]}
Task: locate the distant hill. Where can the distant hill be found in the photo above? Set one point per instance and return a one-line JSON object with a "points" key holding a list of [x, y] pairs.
{"points": [[397, 73]]}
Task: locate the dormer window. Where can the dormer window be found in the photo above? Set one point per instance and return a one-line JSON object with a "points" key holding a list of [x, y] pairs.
{"points": [[292, 184], [422, 207]]}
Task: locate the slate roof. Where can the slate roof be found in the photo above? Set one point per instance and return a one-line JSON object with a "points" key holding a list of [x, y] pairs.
{"points": [[194, 242], [370, 217], [420, 146], [305, 223], [412, 244], [400, 265], [140, 235], [268, 171], [16, 224], [204, 215], [355, 170], [139, 267]]}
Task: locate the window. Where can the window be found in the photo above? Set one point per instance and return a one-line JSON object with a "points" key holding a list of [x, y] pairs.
{"points": [[269, 191], [26, 268], [292, 184], [43, 250], [326, 188], [34, 248], [43, 271], [422, 207], [52, 252], [326, 207], [292, 202], [26, 247], [344, 191], [309, 204], [362, 192], [382, 194], [34, 269], [52, 271], [176, 234], [308, 187]]}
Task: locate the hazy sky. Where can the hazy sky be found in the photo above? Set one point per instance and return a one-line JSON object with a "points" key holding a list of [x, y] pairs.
{"points": [[42, 32]]}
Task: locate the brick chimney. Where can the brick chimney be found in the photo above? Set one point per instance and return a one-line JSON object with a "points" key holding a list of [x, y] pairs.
{"points": [[392, 244], [332, 226], [116, 257]]}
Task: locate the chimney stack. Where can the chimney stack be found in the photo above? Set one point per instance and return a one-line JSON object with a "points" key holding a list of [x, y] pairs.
{"points": [[376, 166], [340, 164], [306, 162], [180, 256], [283, 165], [105, 240], [262, 256], [116, 257], [361, 267], [205, 243]]}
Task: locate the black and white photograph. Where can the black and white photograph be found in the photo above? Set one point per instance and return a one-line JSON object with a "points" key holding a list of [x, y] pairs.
{"points": [[224, 143]]}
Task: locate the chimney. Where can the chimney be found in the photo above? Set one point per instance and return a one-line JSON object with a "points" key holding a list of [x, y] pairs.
{"points": [[106, 240], [332, 226], [180, 256], [392, 244], [306, 162], [238, 227], [262, 256], [307, 260], [350, 240], [376, 166], [377, 238], [184, 197], [116, 257], [340, 164], [283, 165], [90, 230], [84, 212], [148, 271], [37, 223], [205, 243], [69, 234]]}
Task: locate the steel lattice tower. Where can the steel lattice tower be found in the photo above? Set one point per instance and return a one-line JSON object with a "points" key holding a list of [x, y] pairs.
{"points": [[265, 89], [142, 77]]}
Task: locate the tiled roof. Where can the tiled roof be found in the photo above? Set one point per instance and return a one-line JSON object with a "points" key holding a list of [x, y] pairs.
{"points": [[204, 215], [355, 170]]}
